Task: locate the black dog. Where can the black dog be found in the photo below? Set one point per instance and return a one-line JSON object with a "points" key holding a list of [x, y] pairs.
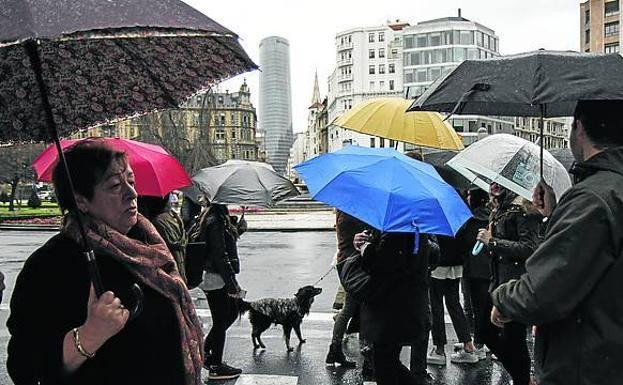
{"points": [[288, 312]]}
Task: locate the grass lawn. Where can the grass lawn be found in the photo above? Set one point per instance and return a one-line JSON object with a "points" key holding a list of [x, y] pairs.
{"points": [[46, 209]]}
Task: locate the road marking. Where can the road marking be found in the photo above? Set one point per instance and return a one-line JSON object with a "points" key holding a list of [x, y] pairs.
{"points": [[266, 379]]}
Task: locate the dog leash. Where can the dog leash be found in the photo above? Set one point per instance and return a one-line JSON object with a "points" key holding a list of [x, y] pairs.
{"points": [[331, 269]]}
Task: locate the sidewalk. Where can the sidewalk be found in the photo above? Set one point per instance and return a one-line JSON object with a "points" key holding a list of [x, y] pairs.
{"points": [[266, 221]]}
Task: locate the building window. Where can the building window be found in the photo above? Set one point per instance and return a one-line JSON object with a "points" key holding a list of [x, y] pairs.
{"points": [[381, 52], [381, 68], [371, 86], [222, 120], [371, 69], [381, 85], [612, 48], [392, 68], [587, 36], [381, 142], [612, 8], [391, 143], [350, 103], [391, 85], [611, 28], [394, 53], [372, 142], [421, 41], [466, 37], [371, 38], [220, 134], [233, 134], [587, 16], [434, 39], [371, 54], [381, 36]]}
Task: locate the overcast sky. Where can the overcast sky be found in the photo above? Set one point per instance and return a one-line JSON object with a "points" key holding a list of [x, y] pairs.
{"points": [[310, 26]]}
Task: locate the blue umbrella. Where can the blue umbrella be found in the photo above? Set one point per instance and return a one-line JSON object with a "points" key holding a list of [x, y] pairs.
{"points": [[385, 189]]}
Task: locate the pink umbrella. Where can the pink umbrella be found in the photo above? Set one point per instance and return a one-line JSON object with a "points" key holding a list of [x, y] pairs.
{"points": [[157, 172]]}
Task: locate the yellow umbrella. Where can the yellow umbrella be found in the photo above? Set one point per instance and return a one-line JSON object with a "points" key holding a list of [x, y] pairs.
{"points": [[387, 118]]}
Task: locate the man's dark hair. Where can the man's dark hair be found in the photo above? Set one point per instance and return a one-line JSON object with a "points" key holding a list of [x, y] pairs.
{"points": [[87, 161], [602, 120], [151, 207]]}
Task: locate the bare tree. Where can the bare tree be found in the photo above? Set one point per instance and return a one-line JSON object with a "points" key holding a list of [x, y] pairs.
{"points": [[184, 132], [15, 161]]}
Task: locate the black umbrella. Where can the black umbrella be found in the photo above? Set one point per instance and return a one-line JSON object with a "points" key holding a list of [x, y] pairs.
{"points": [[66, 65], [452, 177], [541, 83]]}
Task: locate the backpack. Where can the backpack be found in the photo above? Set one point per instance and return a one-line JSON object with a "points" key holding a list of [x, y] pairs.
{"points": [[196, 251]]}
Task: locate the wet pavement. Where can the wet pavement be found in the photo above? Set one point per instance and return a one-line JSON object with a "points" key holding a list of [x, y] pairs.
{"points": [[274, 264]]}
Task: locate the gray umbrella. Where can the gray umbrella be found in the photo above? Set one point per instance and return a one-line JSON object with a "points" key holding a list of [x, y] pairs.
{"points": [[564, 156], [244, 183], [541, 83]]}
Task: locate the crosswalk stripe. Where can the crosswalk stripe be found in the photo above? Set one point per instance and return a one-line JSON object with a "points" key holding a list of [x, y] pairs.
{"points": [[266, 379]]}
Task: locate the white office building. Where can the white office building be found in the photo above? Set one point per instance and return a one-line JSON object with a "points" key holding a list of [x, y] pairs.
{"points": [[368, 65]]}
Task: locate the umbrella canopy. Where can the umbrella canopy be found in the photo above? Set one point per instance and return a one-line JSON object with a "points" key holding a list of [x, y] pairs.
{"points": [[451, 176], [511, 162], [385, 189], [244, 183], [564, 156], [156, 172], [387, 118], [541, 83], [100, 61]]}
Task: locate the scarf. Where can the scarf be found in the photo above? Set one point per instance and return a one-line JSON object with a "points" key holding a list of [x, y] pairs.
{"points": [[151, 263]]}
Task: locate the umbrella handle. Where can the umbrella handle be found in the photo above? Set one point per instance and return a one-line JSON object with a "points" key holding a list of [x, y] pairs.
{"points": [[138, 302], [478, 246]]}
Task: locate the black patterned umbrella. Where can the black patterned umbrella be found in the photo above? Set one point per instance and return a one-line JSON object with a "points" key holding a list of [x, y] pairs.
{"points": [[67, 65]]}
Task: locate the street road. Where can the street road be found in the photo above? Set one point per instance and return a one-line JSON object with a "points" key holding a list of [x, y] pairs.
{"points": [[274, 264]]}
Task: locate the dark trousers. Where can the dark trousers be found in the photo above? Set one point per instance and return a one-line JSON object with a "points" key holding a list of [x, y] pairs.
{"points": [[481, 306], [224, 310], [419, 349], [447, 289], [510, 346], [348, 311], [388, 370]]}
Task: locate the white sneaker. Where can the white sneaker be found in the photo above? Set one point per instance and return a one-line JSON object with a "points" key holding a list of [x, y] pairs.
{"points": [[481, 353], [494, 357], [464, 357], [434, 358]]}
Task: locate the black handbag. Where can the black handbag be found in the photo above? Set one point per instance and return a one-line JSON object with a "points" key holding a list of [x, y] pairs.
{"points": [[195, 263], [362, 285]]}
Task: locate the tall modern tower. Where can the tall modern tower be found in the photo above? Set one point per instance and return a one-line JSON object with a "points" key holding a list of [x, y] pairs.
{"points": [[275, 115]]}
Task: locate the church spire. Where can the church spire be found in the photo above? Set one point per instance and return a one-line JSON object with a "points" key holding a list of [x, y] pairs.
{"points": [[315, 100]]}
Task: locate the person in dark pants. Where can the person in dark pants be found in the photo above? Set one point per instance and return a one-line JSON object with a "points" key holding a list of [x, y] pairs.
{"points": [[511, 238], [476, 268], [445, 281], [220, 285], [395, 315], [346, 227]]}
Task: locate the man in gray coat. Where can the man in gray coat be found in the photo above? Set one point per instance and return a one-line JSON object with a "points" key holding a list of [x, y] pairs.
{"points": [[574, 280]]}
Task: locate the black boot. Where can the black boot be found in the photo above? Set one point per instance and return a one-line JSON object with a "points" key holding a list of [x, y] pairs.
{"points": [[336, 355]]}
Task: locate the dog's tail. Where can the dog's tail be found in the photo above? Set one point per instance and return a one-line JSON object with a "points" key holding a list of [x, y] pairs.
{"points": [[243, 307]]}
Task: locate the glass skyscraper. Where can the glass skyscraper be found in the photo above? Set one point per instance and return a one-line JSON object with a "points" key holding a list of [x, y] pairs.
{"points": [[275, 110]]}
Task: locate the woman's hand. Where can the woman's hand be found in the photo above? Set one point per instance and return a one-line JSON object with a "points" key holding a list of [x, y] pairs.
{"points": [[484, 236], [106, 317]]}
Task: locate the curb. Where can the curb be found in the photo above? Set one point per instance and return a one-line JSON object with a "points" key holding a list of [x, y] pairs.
{"points": [[251, 230]]}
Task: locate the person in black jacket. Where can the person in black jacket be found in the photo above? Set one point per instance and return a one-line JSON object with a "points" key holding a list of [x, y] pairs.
{"points": [[511, 238], [397, 315], [61, 331], [220, 285], [477, 268]]}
